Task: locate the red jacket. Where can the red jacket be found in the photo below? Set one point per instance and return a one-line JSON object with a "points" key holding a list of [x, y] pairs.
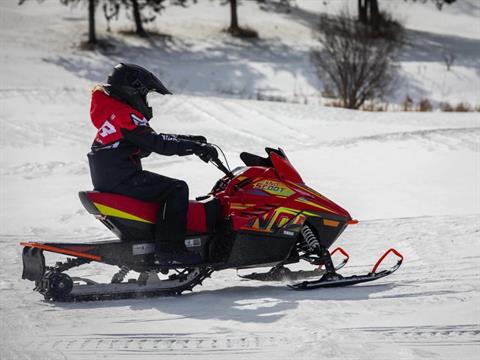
{"points": [[124, 136], [110, 116]]}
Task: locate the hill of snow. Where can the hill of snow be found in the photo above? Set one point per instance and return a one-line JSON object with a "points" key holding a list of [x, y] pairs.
{"points": [[195, 57]]}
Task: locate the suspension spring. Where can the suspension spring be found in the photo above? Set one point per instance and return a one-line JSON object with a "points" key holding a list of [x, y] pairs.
{"points": [[310, 238], [120, 276], [70, 263]]}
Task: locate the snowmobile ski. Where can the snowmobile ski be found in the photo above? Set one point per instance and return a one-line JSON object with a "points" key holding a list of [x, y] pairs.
{"points": [[337, 280]]}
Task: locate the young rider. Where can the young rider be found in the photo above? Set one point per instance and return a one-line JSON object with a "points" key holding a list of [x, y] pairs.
{"points": [[120, 112]]}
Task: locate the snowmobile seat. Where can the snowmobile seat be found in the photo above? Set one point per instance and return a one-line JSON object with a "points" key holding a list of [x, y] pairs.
{"points": [[113, 209], [115, 205]]}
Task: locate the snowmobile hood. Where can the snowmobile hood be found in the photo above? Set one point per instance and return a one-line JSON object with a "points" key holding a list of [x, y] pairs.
{"points": [[315, 201], [310, 197]]}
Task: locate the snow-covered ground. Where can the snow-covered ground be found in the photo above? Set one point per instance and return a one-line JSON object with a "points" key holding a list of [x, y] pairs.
{"points": [[411, 178]]}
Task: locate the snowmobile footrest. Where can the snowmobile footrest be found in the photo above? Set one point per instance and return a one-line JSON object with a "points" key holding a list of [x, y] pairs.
{"points": [[33, 264], [281, 273]]}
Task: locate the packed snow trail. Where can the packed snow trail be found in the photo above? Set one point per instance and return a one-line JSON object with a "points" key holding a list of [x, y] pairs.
{"points": [[427, 309], [391, 166]]}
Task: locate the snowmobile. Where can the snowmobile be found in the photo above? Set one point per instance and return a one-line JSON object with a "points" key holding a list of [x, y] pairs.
{"points": [[258, 215]]}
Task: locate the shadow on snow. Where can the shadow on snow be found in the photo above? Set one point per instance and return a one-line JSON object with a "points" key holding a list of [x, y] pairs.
{"points": [[261, 304]]}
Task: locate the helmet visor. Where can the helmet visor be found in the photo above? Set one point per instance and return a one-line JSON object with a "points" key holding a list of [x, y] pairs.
{"points": [[157, 86]]}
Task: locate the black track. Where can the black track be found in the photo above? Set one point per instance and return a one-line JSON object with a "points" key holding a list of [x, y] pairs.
{"points": [[44, 287]]}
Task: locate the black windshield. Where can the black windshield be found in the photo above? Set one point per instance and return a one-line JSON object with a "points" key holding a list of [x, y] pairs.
{"points": [[255, 160]]}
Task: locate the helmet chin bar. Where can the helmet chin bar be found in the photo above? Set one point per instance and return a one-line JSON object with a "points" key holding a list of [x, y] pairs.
{"points": [[132, 97]]}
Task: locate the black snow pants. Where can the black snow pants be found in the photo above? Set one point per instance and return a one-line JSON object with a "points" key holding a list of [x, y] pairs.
{"points": [[171, 223]]}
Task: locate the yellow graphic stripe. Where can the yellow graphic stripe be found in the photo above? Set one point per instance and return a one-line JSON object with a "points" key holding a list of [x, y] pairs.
{"points": [[273, 220], [278, 212], [305, 201], [310, 214], [109, 211], [283, 222], [298, 218], [308, 190], [239, 206]]}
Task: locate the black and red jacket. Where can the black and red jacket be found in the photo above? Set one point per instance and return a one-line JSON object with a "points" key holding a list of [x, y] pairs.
{"points": [[124, 136]]}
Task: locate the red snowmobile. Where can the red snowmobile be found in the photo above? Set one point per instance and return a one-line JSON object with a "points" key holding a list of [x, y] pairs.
{"points": [[259, 215]]}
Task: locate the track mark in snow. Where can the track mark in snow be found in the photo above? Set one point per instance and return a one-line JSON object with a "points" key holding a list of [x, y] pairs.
{"points": [[265, 120], [31, 171], [202, 108], [44, 94], [173, 344], [440, 335], [452, 138]]}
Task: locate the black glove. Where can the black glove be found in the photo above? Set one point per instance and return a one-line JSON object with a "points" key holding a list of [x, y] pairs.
{"points": [[206, 152], [196, 138]]}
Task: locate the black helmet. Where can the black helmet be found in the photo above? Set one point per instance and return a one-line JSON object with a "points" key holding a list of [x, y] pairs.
{"points": [[131, 83]]}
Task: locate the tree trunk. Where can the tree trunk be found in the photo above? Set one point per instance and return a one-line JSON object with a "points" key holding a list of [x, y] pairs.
{"points": [[233, 15], [92, 38], [374, 15], [362, 11], [138, 20]]}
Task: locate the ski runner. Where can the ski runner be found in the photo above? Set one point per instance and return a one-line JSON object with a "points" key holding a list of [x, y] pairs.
{"points": [[120, 112]]}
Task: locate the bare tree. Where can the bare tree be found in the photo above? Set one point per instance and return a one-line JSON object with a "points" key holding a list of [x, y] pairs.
{"points": [[92, 36], [233, 17], [438, 3], [268, 5], [449, 59], [353, 62], [369, 14], [142, 11], [138, 19], [235, 29]]}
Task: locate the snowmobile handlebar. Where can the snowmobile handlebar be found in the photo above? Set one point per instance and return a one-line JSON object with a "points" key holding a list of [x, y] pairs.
{"points": [[218, 163], [215, 160]]}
